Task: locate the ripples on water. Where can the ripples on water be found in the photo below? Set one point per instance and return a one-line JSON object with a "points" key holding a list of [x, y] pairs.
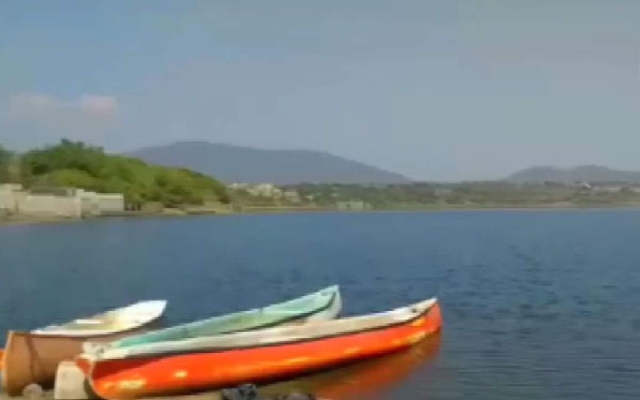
{"points": [[537, 305]]}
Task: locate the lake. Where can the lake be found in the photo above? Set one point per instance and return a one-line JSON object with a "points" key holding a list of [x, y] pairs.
{"points": [[536, 304]]}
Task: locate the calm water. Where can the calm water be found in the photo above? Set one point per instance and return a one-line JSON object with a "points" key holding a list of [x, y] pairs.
{"points": [[537, 305]]}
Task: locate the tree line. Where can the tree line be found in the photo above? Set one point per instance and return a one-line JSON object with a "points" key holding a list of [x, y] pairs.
{"points": [[75, 164], [6, 158], [482, 194]]}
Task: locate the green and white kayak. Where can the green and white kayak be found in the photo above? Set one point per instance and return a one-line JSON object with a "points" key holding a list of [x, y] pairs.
{"points": [[323, 305]]}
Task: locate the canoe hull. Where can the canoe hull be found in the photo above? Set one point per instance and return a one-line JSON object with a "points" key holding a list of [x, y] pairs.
{"points": [[30, 358], [323, 305], [130, 378]]}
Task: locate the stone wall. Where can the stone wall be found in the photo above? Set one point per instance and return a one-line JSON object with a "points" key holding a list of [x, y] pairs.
{"points": [[109, 203], [43, 205], [8, 198], [76, 204], [101, 203]]}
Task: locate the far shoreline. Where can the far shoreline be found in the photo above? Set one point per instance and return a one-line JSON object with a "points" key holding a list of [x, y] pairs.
{"points": [[178, 213]]}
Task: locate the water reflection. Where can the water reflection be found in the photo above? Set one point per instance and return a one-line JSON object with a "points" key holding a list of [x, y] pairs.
{"points": [[366, 380]]}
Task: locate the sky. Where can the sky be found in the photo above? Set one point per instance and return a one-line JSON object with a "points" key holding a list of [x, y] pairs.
{"points": [[437, 90]]}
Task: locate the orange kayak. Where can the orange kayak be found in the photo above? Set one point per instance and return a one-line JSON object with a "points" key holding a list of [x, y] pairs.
{"points": [[1, 354], [227, 360]]}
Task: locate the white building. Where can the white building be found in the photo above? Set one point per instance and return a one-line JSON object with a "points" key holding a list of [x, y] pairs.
{"points": [[74, 203]]}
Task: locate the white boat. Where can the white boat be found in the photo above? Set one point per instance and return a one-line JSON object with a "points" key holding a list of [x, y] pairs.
{"points": [[33, 356], [109, 322]]}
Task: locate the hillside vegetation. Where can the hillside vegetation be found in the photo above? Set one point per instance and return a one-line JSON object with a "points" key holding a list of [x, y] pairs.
{"points": [[74, 164], [5, 162]]}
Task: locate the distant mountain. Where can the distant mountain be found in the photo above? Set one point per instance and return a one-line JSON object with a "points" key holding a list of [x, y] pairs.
{"points": [[250, 165], [587, 173]]}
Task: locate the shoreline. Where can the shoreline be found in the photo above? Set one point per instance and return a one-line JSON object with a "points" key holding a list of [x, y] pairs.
{"points": [[168, 213]]}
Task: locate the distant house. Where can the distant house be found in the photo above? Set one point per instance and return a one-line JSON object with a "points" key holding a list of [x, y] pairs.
{"points": [[584, 185], [291, 196], [263, 189], [266, 190], [239, 186]]}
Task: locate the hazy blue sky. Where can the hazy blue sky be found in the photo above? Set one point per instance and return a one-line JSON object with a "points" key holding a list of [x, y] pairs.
{"points": [[437, 90]]}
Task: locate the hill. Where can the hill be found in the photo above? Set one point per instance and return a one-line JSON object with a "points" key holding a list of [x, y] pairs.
{"points": [[74, 164], [586, 173], [250, 165]]}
